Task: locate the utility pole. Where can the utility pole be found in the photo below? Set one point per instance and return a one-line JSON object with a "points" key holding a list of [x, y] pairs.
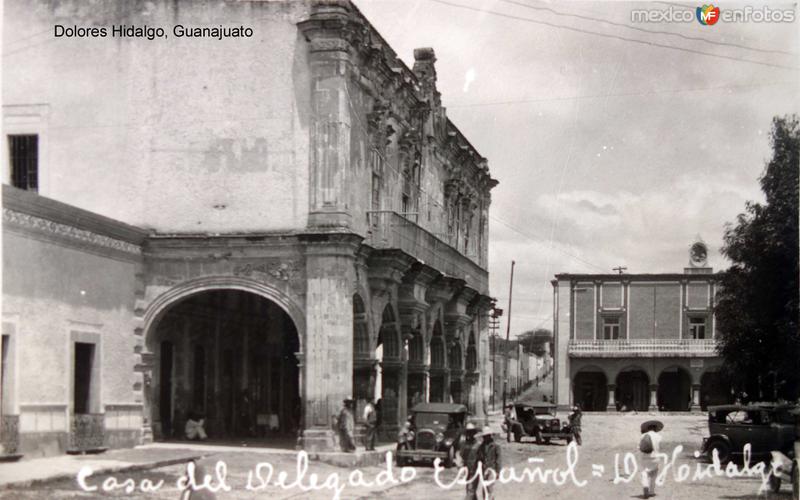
{"points": [[619, 269], [494, 325], [508, 333]]}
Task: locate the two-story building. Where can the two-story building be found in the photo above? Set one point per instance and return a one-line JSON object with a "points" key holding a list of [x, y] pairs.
{"points": [[250, 225], [638, 341]]}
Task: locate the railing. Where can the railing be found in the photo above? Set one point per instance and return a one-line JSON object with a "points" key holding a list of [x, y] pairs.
{"points": [[392, 230], [87, 432], [9, 435], [643, 347]]}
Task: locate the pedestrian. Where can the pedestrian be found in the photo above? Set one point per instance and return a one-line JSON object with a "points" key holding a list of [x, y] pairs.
{"points": [[575, 424], [488, 457], [371, 418], [195, 428], [405, 437], [509, 422], [468, 451], [347, 427], [649, 447]]}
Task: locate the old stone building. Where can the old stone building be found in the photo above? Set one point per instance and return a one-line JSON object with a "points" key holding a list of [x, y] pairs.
{"points": [[250, 229], [638, 341]]}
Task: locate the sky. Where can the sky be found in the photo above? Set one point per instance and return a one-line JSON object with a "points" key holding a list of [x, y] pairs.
{"points": [[613, 145]]}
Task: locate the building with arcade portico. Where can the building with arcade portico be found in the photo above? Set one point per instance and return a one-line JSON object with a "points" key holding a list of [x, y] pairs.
{"points": [[247, 229], [638, 341]]}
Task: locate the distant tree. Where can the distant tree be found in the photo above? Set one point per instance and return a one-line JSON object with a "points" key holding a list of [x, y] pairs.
{"points": [[533, 341], [757, 306]]}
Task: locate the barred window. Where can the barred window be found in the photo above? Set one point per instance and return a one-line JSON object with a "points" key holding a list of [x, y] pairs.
{"points": [[24, 161]]}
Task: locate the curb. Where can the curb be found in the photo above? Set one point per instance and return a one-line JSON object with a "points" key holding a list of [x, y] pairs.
{"points": [[103, 470]]}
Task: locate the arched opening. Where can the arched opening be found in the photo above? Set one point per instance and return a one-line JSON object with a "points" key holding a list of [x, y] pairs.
{"points": [[472, 354], [715, 389], [456, 371], [674, 390], [363, 363], [438, 365], [416, 368], [633, 389], [227, 356], [590, 390], [388, 352]]}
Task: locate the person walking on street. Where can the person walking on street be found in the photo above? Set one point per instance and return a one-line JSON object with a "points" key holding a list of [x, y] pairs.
{"points": [[489, 460], [468, 451], [371, 418], [575, 424], [347, 427], [649, 446]]}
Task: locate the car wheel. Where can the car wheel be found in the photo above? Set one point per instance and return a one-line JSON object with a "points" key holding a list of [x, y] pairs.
{"points": [[774, 483], [796, 480], [451, 458], [723, 451]]}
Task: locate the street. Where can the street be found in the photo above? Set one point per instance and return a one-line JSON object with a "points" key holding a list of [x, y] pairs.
{"points": [[605, 437]]}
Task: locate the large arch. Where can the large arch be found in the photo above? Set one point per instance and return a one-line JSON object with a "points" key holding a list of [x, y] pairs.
{"points": [[674, 389], [438, 378], [230, 356], [633, 389], [590, 389], [363, 359]]}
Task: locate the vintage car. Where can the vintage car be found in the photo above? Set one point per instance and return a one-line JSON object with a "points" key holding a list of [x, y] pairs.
{"points": [[786, 467], [438, 428], [767, 427], [539, 420]]}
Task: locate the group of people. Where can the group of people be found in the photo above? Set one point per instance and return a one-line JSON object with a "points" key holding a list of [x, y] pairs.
{"points": [[346, 425], [481, 459]]}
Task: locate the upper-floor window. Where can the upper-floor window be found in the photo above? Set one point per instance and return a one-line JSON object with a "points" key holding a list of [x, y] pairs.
{"points": [[697, 328], [611, 328], [23, 154]]}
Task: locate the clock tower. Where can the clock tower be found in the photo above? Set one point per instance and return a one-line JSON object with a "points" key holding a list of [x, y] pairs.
{"points": [[698, 258]]}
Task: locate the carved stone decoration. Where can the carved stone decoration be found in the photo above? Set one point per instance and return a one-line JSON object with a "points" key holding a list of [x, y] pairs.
{"points": [[283, 271], [70, 232]]}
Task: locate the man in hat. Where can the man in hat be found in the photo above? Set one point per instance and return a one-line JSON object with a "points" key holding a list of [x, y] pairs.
{"points": [[347, 426], [575, 424], [469, 459], [371, 418], [489, 458], [509, 422], [649, 446]]}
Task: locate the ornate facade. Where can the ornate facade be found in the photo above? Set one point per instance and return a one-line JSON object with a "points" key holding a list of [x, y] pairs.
{"points": [[356, 268]]}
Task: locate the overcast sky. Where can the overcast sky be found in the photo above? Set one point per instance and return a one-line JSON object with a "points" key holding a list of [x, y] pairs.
{"points": [[608, 151]]}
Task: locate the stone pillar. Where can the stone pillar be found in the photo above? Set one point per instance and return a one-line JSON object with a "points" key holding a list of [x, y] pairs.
{"points": [[328, 367], [612, 403], [653, 397], [695, 398], [330, 126]]}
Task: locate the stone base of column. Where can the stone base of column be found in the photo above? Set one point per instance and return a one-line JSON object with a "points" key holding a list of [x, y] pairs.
{"points": [[652, 408], [694, 407], [388, 432], [611, 407], [319, 439]]}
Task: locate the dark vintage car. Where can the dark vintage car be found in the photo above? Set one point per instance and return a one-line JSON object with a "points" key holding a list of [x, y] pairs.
{"points": [[539, 420], [438, 428], [766, 427]]}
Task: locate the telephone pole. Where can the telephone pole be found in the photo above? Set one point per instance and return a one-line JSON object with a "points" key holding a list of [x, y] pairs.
{"points": [[508, 333], [494, 325]]}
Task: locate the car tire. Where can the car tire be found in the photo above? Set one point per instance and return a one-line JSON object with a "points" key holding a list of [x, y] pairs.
{"points": [[796, 480], [723, 451], [774, 483]]}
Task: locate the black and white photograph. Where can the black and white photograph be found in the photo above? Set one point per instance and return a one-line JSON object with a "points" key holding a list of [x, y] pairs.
{"points": [[399, 249]]}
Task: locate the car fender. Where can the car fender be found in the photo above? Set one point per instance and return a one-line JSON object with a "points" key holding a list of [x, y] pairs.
{"points": [[717, 437]]}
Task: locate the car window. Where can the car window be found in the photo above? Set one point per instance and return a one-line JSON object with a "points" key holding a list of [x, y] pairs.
{"points": [[738, 417]]}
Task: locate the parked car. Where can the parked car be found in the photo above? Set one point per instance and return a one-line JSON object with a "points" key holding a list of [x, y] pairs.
{"points": [[438, 428], [766, 427], [539, 420]]}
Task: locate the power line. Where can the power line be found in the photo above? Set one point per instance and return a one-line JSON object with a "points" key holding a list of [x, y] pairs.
{"points": [[622, 94], [653, 32], [616, 37]]}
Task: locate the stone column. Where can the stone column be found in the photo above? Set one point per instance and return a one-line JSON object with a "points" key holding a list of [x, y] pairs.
{"points": [[612, 403], [328, 343], [653, 397], [695, 398], [330, 126]]}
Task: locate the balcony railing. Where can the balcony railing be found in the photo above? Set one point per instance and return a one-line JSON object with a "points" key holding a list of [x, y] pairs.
{"points": [[392, 230], [643, 348]]}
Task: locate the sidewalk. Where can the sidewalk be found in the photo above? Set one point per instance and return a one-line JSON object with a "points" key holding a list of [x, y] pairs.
{"points": [[151, 456]]}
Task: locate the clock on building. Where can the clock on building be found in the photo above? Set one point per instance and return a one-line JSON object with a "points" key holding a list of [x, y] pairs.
{"points": [[698, 254]]}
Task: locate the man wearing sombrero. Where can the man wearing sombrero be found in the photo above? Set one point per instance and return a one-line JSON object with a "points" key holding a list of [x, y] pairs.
{"points": [[649, 446]]}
